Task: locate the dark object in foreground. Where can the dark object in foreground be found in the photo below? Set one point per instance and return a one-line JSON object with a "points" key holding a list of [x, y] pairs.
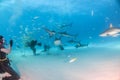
{"points": [[11, 43], [61, 47], [32, 45]]}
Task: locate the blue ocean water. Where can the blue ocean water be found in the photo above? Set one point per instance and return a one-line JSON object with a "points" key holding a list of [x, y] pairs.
{"points": [[88, 18], [81, 20]]}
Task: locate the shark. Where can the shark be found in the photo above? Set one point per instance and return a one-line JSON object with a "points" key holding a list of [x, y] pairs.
{"points": [[80, 45], [50, 32], [112, 31], [65, 34]]}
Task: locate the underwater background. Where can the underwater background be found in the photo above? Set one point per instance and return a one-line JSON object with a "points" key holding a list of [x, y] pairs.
{"points": [[88, 18], [81, 20]]}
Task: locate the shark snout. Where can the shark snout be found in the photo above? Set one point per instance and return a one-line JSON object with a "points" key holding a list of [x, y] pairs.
{"points": [[103, 35]]}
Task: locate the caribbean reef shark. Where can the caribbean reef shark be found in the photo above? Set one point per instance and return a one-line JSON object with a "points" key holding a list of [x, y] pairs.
{"points": [[112, 31]]}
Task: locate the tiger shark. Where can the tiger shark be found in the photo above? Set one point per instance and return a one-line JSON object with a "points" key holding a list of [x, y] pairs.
{"points": [[112, 31]]}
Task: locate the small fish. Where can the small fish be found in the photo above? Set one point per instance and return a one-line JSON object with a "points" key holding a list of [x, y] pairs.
{"points": [[72, 60], [92, 13], [36, 17]]}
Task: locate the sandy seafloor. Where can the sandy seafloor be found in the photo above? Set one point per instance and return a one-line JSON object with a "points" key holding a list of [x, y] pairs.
{"points": [[91, 63]]}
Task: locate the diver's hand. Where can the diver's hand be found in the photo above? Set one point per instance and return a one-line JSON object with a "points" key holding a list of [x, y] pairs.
{"points": [[11, 43], [6, 74]]}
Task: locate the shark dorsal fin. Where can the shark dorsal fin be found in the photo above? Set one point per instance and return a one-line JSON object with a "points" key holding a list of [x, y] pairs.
{"points": [[111, 26]]}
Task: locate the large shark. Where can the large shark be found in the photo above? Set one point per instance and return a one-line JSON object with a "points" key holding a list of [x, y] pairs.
{"points": [[112, 31]]}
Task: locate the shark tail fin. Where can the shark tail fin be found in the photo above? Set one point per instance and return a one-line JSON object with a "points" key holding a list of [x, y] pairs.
{"points": [[111, 25]]}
